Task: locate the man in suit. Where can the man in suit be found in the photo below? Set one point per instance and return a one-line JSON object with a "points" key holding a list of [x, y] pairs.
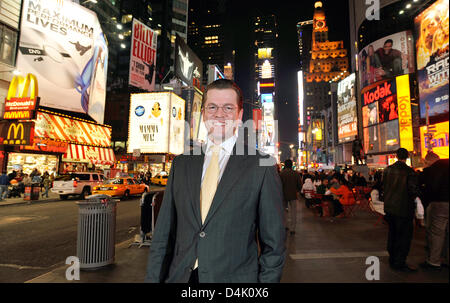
{"points": [[221, 208], [400, 183]]}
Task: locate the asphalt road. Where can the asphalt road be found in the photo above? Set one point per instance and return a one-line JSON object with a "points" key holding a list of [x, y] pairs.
{"points": [[39, 237]]}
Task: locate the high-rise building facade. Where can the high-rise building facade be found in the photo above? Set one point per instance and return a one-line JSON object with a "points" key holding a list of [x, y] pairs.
{"points": [[209, 34], [265, 30], [322, 62]]}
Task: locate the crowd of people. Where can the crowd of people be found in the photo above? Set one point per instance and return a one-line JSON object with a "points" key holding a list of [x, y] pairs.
{"points": [[405, 193], [13, 184]]}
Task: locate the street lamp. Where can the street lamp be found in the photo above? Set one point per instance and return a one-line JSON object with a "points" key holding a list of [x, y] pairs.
{"points": [[92, 1]]}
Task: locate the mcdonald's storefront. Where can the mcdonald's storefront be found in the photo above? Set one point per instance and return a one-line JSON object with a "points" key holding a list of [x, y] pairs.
{"points": [[54, 143]]}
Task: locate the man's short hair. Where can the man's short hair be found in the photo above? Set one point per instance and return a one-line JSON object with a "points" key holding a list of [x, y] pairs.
{"points": [[389, 41], [431, 157], [402, 154], [224, 84], [288, 163]]}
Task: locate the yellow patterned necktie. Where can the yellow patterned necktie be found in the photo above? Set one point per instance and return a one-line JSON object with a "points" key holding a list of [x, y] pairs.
{"points": [[210, 181]]}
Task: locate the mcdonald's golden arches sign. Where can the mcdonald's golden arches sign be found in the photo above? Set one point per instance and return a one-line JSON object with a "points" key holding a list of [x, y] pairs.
{"points": [[17, 133], [22, 99]]}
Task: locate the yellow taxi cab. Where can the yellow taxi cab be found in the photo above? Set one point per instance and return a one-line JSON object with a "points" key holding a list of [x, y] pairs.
{"points": [[160, 179], [120, 187]]}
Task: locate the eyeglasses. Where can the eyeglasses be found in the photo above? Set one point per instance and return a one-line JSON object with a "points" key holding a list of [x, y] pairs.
{"points": [[227, 109]]}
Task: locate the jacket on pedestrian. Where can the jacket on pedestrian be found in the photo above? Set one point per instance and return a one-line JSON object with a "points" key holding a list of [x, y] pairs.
{"points": [[434, 181], [291, 184], [400, 183], [308, 186], [4, 180], [346, 196]]}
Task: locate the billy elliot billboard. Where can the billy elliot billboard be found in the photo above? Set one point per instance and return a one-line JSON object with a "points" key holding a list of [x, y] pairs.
{"points": [[62, 44], [346, 108], [143, 57], [431, 35]]}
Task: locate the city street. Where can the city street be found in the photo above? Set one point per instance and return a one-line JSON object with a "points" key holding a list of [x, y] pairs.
{"points": [[39, 237]]}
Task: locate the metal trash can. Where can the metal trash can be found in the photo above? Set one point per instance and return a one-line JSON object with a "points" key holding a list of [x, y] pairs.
{"points": [[96, 231], [32, 192]]}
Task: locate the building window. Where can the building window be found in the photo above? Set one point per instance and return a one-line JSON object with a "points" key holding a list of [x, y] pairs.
{"points": [[8, 44]]}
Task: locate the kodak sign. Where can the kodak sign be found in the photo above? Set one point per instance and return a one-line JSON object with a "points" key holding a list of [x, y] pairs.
{"points": [[404, 112], [22, 98], [379, 91]]}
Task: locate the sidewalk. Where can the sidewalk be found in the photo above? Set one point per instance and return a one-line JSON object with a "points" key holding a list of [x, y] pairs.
{"points": [[52, 197], [323, 250]]}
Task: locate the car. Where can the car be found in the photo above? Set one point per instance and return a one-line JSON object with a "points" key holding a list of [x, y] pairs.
{"points": [[120, 187], [76, 184], [160, 179]]}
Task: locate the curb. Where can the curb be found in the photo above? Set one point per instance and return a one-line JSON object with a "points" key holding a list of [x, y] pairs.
{"points": [[4, 204], [120, 246]]}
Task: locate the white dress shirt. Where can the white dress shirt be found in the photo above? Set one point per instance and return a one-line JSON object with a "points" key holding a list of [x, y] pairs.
{"points": [[225, 152]]}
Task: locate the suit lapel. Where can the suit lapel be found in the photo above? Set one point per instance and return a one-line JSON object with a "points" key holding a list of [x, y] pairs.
{"points": [[236, 164], [194, 177]]}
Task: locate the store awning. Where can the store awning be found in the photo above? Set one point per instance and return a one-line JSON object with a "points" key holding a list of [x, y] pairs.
{"points": [[89, 154]]}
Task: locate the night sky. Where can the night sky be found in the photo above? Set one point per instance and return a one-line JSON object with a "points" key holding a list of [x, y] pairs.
{"points": [[288, 13]]}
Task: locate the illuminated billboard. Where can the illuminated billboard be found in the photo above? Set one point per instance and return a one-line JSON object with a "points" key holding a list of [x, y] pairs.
{"points": [[266, 70], [404, 113], [436, 140], [386, 58], [156, 123], [380, 114], [188, 67], [265, 53], [143, 56], [431, 36], [62, 44], [346, 110], [266, 98]]}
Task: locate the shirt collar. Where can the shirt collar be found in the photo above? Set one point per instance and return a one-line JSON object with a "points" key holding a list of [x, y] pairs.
{"points": [[226, 145]]}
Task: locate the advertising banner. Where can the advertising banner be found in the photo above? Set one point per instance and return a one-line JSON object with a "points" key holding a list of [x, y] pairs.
{"points": [[431, 36], [71, 130], [176, 126], [386, 58], [62, 44], [188, 67], [143, 56], [404, 113], [195, 115], [346, 109], [435, 139], [266, 98], [156, 123]]}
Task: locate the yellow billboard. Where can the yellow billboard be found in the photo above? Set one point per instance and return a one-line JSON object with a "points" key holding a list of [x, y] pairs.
{"points": [[404, 113], [436, 140]]}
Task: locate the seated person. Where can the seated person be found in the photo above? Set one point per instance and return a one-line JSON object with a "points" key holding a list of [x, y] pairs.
{"points": [[345, 194], [308, 186]]}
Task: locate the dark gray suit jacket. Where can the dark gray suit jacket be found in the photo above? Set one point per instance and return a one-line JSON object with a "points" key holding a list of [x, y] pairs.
{"points": [[247, 204]]}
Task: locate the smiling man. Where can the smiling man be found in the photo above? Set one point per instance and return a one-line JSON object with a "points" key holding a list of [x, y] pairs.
{"points": [[218, 206]]}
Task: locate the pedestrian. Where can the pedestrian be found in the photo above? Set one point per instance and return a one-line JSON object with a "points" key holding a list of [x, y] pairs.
{"points": [[400, 183], [434, 179], [217, 204], [345, 195], [307, 188], [4, 183], [291, 187], [47, 184]]}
